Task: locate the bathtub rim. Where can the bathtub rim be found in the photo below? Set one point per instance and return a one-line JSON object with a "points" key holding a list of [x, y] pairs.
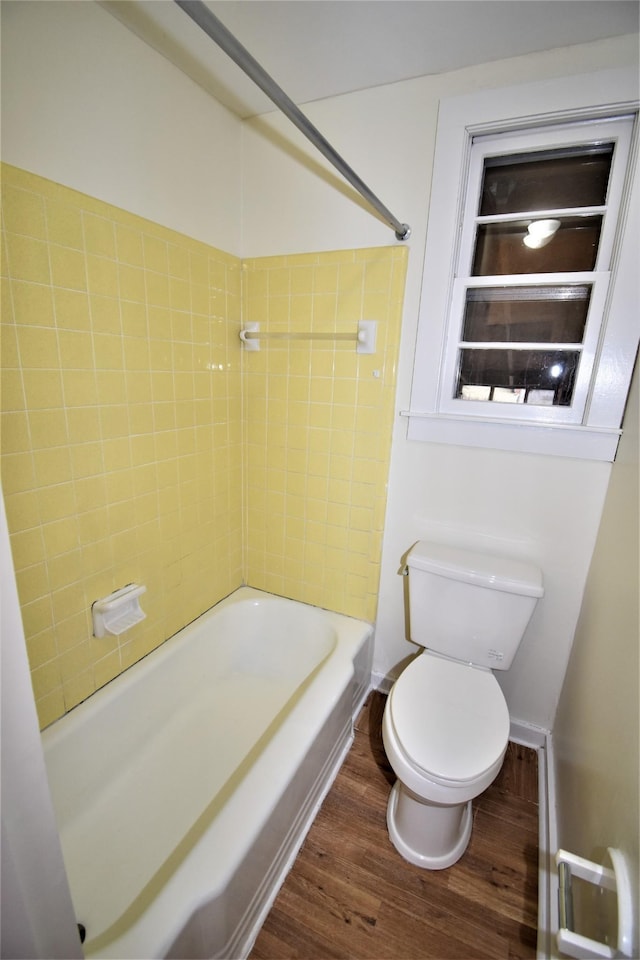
{"points": [[242, 593], [273, 773]]}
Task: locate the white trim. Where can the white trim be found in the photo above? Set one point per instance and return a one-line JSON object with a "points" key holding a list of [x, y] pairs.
{"points": [[38, 918], [588, 97], [574, 414], [572, 134], [528, 734], [382, 683], [547, 846], [562, 440], [541, 740]]}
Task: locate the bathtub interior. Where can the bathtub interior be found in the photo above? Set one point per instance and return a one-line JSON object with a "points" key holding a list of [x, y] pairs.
{"points": [[148, 767]]}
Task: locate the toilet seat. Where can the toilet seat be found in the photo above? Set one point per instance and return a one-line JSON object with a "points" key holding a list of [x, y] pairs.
{"points": [[450, 718]]}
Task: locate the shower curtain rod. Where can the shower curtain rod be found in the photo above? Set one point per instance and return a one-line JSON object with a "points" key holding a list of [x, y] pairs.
{"points": [[214, 28]]}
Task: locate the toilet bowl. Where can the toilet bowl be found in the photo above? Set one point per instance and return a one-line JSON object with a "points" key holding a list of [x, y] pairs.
{"points": [[445, 731], [446, 723]]}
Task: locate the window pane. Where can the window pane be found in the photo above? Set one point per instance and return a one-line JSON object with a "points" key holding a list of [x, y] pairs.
{"points": [[526, 314], [540, 377], [548, 180], [501, 248]]}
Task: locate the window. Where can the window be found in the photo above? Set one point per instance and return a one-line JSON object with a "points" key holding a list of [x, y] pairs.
{"points": [[534, 283]]}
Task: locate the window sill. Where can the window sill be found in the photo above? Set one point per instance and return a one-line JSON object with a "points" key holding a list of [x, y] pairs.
{"points": [[577, 442]]}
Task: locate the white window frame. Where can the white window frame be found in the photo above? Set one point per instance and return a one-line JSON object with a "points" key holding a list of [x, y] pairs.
{"points": [[598, 407]]}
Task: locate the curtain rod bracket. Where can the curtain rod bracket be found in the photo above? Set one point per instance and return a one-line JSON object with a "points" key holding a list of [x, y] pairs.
{"points": [[216, 30]]}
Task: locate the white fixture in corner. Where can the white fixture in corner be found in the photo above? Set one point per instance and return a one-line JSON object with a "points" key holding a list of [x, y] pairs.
{"points": [[118, 612]]}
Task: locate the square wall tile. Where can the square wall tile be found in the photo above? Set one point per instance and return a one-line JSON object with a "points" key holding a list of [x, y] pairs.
{"points": [[87, 423], [140, 442], [324, 414]]}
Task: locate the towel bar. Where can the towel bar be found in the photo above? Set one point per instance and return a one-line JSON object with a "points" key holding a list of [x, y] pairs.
{"points": [[364, 338]]}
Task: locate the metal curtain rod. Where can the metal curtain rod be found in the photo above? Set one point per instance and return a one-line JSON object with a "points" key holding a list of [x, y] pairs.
{"points": [[207, 21]]}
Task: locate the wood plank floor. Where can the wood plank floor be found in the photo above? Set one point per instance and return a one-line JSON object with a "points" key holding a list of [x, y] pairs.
{"points": [[351, 895]]}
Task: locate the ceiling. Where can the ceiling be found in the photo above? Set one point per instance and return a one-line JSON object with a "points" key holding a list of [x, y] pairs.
{"points": [[323, 48]]}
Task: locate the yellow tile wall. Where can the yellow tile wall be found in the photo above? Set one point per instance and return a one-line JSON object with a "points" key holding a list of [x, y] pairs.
{"points": [[121, 427], [140, 443], [318, 425]]}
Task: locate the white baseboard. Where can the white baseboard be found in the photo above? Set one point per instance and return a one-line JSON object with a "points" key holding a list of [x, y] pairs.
{"points": [[547, 847], [528, 734], [381, 682], [541, 740]]}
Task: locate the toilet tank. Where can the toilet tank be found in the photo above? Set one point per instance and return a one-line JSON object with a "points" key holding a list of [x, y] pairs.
{"points": [[470, 606]]}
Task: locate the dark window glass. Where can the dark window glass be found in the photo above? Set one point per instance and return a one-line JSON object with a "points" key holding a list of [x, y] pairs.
{"points": [[501, 248], [549, 180], [556, 314], [540, 377]]}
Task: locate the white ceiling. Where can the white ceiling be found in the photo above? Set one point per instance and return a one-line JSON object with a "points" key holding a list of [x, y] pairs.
{"points": [[322, 48]]}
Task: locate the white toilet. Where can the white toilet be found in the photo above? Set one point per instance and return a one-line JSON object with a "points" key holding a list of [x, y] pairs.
{"points": [[446, 723]]}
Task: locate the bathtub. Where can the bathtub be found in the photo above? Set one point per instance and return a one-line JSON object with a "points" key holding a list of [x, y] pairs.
{"points": [[184, 788]]}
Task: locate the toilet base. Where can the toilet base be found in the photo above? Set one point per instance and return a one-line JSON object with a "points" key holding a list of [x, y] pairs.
{"points": [[428, 835]]}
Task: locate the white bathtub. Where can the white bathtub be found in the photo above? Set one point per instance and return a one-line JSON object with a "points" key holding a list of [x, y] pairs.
{"points": [[185, 787]]}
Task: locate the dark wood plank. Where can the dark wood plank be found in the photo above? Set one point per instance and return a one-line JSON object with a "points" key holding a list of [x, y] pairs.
{"points": [[351, 895]]}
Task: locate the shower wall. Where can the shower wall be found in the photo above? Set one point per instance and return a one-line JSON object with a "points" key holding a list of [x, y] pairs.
{"points": [[141, 443], [121, 427], [319, 423]]}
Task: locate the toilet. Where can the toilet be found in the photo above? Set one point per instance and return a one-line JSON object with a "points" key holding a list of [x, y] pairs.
{"points": [[446, 724]]}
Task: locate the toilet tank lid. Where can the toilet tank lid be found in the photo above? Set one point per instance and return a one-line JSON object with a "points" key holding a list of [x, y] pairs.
{"points": [[483, 570]]}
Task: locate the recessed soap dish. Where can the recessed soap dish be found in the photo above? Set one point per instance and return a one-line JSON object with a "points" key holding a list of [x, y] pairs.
{"points": [[118, 612]]}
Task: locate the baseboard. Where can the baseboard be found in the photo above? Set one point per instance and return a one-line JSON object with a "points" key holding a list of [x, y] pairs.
{"points": [[541, 741], [547, 847], [528, 734], [381, 682]]}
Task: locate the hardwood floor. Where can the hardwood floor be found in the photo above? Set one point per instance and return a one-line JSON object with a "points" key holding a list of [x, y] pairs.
{"points": [[351, 895]]}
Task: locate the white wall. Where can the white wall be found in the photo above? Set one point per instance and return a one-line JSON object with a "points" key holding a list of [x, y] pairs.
{"points": [[37, 912], [547, 509], [87, 104], [596, 736]]}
